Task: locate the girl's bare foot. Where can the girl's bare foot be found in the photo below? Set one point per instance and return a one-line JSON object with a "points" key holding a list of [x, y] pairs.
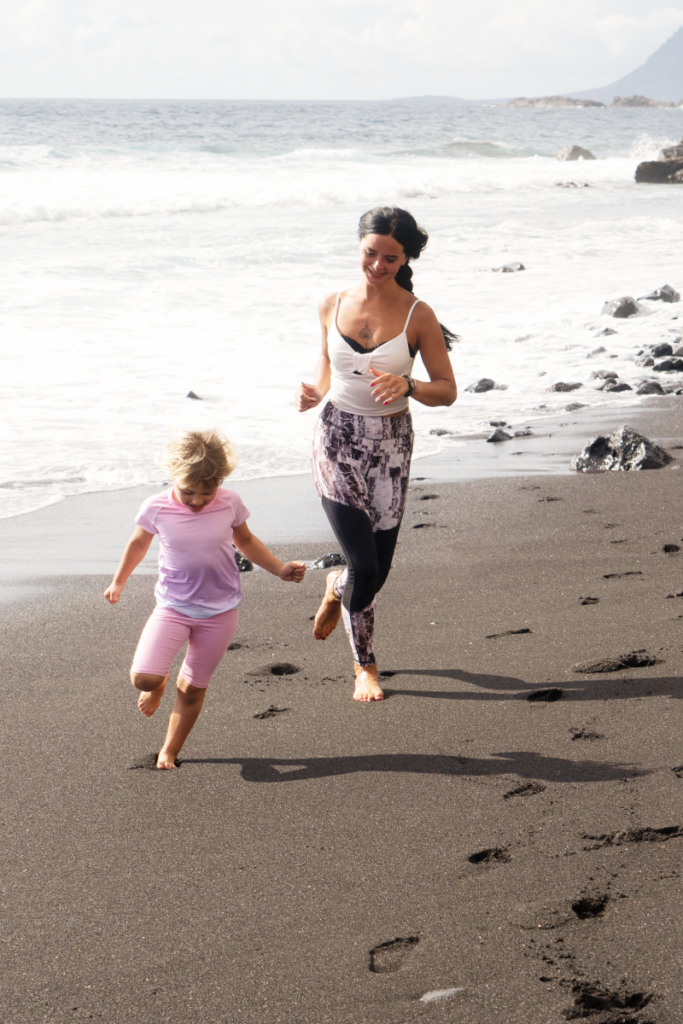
{"points": [[166, 760], [149, 700], [327, 616], [367, 683]]}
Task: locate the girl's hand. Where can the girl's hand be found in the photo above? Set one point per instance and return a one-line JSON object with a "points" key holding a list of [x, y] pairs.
{"points": [[292, 572], [387, 387], [307, 397], [113, 592]]}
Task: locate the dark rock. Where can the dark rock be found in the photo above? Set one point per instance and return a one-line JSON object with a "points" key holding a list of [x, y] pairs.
{"points": [[647, 361], [659, 172], [613, 385], [607, 331], [243, 564], [620, 308], [499, 435], [328, 561], [650, 387], [485, 384], [663, 349], [624, 450], [509, 268], [636, 659], [440, 432], [191, 394], [574, 153], [497, 423], [597, 351], [524, 433], [664, 294], [573, 406], [604, 374], [561, 386], [675, 363]]}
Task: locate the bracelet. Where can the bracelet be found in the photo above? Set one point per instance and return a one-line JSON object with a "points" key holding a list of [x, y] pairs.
{"points": [[412, 386]]}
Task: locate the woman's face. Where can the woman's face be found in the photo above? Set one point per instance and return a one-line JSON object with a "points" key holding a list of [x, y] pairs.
{"points": [[380, 258]]}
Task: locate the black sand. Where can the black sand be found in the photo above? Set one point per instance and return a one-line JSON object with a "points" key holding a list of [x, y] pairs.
{"points": [[527, 852]]}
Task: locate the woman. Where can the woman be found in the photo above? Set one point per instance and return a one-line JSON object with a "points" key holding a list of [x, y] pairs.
{"points": [[364, 436]]}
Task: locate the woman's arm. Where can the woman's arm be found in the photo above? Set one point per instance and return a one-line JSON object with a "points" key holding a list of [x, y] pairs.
{"points": [[135, 550], [256, 551], [441, 388], [310, 395]]}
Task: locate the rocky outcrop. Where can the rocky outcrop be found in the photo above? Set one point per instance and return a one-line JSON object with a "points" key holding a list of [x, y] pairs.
{"points": [[624, 450], [574, 153], [639, 101], [621, 308], [562, 386], [672, 152], [615, 385], [664, 294], [660, 172], [552, 102], [650, 387], [485, 384], [661, 350], [499, 435], [666, 365], [509, 268]]}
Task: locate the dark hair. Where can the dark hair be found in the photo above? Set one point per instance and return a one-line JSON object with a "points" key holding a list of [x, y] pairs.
{"points": [[401, 225]]}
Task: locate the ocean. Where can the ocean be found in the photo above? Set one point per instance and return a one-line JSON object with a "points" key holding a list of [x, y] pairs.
{"points": [[150, 249]]}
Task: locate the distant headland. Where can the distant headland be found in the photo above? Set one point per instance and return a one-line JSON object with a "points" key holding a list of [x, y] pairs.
{"points": [[656, 83]]}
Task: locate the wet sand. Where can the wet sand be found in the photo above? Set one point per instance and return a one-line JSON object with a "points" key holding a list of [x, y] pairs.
{"points": [[332, 862]]}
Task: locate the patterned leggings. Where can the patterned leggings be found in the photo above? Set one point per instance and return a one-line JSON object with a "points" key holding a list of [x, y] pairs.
{"points": [[361, 466]]}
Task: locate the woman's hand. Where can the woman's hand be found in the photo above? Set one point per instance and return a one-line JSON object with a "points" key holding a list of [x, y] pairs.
{"points": [[292, 572], [307, 397], [387, 387], [113, 592]]}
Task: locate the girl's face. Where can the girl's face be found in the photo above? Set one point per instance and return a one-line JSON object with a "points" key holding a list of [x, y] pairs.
{"points": [[380, 258], [194, 496]]}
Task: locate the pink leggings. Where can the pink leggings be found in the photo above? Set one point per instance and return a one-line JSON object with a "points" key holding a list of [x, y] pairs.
{"points": [[168, 630]]}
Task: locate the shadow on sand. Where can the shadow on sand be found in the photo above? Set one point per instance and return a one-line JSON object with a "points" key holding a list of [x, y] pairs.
{"points": [[526, 764], [576, 688]]}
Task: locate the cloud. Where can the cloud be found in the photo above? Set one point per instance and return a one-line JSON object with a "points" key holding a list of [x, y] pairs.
{"points": [[342, 49]]}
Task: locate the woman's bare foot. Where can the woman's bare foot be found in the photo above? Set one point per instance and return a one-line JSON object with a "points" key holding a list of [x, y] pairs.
{"points": [[367, 683], [149, 700], [327, 615], [166, 760]]}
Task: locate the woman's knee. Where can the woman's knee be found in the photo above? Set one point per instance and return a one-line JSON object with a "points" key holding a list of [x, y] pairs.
{"points": [[365, 586], [145, 680]]}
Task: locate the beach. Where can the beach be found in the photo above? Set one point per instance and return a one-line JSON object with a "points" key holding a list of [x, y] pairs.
{"points": [[314, 860], [500, 840]]}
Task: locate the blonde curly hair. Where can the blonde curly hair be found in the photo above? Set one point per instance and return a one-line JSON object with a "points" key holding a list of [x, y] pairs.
{"points": [[199, 457]]}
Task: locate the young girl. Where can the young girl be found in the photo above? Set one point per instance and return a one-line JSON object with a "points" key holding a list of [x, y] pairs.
{"points": [[198, 590]]}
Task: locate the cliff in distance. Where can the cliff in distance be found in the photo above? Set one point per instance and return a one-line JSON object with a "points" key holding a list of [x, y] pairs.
{"points": [[660, 77]]}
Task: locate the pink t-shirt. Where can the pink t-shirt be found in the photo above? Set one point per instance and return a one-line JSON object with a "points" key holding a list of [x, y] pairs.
{"points": [[198, 574]]}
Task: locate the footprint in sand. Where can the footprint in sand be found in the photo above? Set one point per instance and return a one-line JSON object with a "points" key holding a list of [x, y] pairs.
{"points": [[390, 956], [589, 600], [548, 696], [585, 734], [493, 855], [527, 789], [271, 712], [590, 906]]}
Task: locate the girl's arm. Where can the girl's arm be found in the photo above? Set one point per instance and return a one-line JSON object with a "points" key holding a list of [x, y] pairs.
{"points": [[256, 551], [135, 550], [441, 388], [310, 395]]}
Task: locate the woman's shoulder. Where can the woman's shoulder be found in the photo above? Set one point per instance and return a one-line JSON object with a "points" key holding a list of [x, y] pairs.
{"points": [[328, 302]]}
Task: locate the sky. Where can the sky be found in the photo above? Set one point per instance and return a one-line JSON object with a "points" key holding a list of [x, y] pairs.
{"points": [[323, 49]]}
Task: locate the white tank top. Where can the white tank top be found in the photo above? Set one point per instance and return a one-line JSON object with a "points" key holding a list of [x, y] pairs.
{"points": [[351, 374]]}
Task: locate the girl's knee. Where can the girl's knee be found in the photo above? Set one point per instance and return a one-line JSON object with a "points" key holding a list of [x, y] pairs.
{"points": [[190, 694], [146, 681]]}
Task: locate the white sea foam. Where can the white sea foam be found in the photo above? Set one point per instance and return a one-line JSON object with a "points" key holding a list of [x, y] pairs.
{"points": [[148, 251]]}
